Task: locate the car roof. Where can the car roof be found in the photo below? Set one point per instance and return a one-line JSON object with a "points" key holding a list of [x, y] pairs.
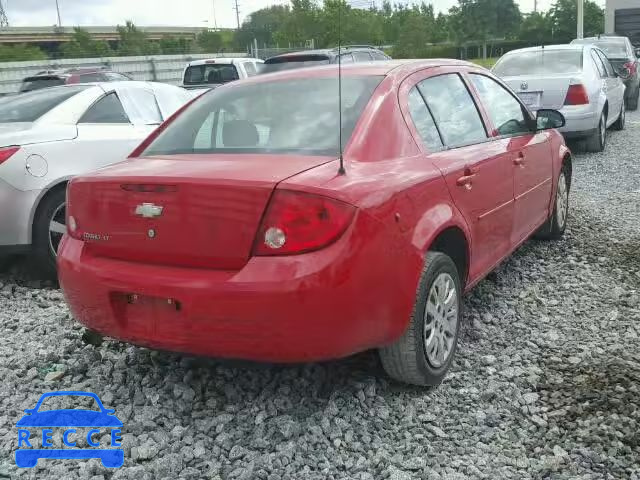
{"points": [[222, 60], [541, 48], [326, 51], [69, 71], [399, 68], [620, 38]]}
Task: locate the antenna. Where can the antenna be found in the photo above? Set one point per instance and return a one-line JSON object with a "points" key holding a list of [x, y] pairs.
{"points": [[4, 21], [341, 170]]}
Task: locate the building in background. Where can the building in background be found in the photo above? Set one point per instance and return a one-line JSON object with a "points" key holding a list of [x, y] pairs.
{"points": [[623, 18]]}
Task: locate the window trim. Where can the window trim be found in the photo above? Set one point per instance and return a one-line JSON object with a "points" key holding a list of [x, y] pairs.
{"points": [[523, 107], [424, 101], [605, 61], [474, 100], [113, 92], [596, 59]]}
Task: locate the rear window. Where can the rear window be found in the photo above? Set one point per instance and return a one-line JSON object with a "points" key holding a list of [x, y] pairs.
{"points": [[612, 48], [289, 62], [297, 116], [36, 83], [540, 62], [214, 73], [28, 107]]}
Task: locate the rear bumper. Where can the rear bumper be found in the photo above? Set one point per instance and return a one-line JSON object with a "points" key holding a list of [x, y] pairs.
{"points": [[581, 121], [15, 215], [320, 305]]}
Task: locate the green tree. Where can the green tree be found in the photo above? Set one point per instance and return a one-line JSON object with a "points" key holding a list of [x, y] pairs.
{"points": [[262, 25], [209, 42], [413, 39], [536, 28], [20, 53], [175, 45], [484, 20], [134, 41], [563, 17], [82, 44]]}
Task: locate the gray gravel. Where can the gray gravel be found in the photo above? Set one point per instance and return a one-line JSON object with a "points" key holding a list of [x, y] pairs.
{"points": [[546, 383]]}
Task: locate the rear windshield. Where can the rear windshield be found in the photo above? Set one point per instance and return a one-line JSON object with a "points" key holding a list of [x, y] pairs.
{"points": [[540, 62], [297, 116], [289, 62], [214, 73], [613, 49], [36, 83], [28, 107]]}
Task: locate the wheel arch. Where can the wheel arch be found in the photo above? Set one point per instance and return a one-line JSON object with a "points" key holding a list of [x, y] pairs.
{"points": [[59, 184], [453, 242]]}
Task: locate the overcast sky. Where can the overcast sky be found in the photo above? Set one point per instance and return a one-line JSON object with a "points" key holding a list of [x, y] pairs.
{"points": [[161, 12]]}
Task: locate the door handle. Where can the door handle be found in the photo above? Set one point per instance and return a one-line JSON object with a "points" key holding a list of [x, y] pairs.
{"points": [[519, 160], [466, 179]]}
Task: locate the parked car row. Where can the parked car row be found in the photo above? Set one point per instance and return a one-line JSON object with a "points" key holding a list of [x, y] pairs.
{"points": [[264, 220], [591, 90]]}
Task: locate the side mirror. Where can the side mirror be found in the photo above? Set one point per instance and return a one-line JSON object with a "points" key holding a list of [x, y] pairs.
{"points": [[637, 52], [547, 119], [624, 73]]}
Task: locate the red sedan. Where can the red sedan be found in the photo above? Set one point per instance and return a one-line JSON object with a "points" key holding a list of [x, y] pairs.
{"points": [[233, 232]]}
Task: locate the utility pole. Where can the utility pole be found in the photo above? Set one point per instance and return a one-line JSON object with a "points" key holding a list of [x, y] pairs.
{"points": [[580, 29], [215, 22], [58, 9], [535, 6], [237, 14], [4, 21]]}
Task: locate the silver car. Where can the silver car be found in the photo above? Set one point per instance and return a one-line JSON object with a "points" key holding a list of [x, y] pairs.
{"points": [[578, 80]]}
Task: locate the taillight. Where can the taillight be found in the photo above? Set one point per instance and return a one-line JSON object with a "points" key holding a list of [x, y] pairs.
{"points": [[631, 66], [7, 152], [153, 135], [576, 95], [298, 222]]}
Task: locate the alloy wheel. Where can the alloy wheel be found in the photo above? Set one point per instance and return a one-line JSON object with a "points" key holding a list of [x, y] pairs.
{"points": [[562, 201], [440, 320], [57, 228]]}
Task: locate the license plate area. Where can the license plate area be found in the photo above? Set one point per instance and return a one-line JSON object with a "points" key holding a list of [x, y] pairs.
{"points": [[143, 315], [531, 99]]}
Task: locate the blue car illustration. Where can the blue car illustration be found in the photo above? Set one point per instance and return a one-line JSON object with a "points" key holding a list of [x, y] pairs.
{"points": [[68, 419]]}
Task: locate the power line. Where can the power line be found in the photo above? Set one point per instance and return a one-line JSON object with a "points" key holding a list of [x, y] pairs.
{"points": [[4, 21]]}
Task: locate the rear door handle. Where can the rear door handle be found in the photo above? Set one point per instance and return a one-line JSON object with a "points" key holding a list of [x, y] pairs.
{"points": [[519, 160], [466, 179]]}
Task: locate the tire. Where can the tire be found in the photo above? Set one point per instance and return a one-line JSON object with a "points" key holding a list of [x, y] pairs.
{"points": [[597, 141], [556, 224], [45, 242], [632, 101], [620, 122], [407, 359]]}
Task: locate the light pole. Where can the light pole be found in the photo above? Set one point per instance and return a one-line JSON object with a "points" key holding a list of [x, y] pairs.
{"points": [[580, 26], [58, 10], [215, 22]]}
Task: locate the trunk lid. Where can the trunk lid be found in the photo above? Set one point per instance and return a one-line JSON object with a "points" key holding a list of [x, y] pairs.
{"points": [[186, 210], [542, 92]]}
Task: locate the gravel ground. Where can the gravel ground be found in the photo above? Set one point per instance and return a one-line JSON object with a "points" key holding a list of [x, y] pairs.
{"points": [[546, 383]]}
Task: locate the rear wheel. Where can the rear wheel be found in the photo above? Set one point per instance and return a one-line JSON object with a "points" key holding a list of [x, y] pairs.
{"points": [[619, 125], [424, 353], [597, 141], [555, 226], [48, 228], [632, 101]]}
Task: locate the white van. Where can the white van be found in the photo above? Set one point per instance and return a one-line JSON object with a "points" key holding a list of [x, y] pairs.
{"points": [[213, 72]]}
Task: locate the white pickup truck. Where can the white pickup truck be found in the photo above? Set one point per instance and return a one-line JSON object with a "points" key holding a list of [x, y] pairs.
{"points": [[213, 72]]}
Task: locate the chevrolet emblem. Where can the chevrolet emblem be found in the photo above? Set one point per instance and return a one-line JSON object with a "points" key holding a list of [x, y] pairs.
{"points": [[149, 210]]}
